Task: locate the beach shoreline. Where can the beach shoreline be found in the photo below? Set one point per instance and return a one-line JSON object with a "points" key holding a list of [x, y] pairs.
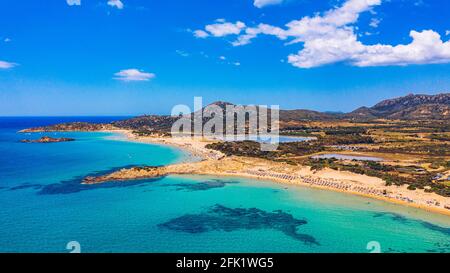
{"points": [[196, 146]]}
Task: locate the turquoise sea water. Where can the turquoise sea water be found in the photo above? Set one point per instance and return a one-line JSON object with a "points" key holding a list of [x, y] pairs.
{"points": [[43, 205]]}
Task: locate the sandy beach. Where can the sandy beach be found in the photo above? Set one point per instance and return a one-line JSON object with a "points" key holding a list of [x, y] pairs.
{"points": [[216, 163]]}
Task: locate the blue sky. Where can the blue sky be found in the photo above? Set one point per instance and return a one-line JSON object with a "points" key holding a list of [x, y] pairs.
{"points": [[132, 57]]}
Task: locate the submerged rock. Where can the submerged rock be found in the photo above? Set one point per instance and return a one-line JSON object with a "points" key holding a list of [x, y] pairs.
{"points": [[221, 218]]}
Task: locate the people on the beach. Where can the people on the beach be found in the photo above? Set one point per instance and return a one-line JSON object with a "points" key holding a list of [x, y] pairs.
{"points": [[337, 184]]}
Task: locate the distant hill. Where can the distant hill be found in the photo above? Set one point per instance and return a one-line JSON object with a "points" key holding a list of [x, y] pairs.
{"points": [[288, 115], [301, 114], [147, 123], [410, 107]]}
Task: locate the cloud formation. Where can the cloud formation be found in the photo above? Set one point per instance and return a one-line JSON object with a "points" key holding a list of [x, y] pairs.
{"points": [[426, 48], [263, 3], [220, 28], [331, 38], [374, 22], [200, 34], [73, 2], [133, 74], [7, 65], [182, 53], [116, 3]]}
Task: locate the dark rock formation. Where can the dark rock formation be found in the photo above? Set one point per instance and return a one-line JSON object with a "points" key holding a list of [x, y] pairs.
{"points": [[47, 139]]}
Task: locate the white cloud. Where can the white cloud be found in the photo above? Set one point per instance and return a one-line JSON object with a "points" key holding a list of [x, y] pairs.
{"points": [[263, 3], [116, 3], [133, 74], [331, 37], [237, 63], [419, 3], [7, 40], [7, 65], [375, 22], [73, 2], [223, 58], [253, 32], [202, 53], [200, 34], [182, 53], [426, 48], [220, 29], [447, 32], [307, 28]]}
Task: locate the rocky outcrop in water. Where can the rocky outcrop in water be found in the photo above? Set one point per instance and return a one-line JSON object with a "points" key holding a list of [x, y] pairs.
{"points": [[47, 139], [127, 174]]}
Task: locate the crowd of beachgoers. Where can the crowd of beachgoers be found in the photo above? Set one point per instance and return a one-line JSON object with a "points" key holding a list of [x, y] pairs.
{"points": [[339, 185]]}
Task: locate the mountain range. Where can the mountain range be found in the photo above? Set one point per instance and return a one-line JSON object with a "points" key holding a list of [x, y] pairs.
{"points": [[410, 107]]}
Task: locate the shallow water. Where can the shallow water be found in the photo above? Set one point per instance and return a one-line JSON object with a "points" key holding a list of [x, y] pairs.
{"points": [[44, 206]]}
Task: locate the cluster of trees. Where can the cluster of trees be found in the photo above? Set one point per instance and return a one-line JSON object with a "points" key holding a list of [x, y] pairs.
{"points": [[346, 131], [288, 149], [308, 130], [239, 148], [437, 149], [253, 149], [440, 137], [345, 139]]}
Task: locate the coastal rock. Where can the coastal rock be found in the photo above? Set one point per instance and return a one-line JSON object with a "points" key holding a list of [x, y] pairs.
{"points": [[127, 174], [47, 139], [71, 127]]}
